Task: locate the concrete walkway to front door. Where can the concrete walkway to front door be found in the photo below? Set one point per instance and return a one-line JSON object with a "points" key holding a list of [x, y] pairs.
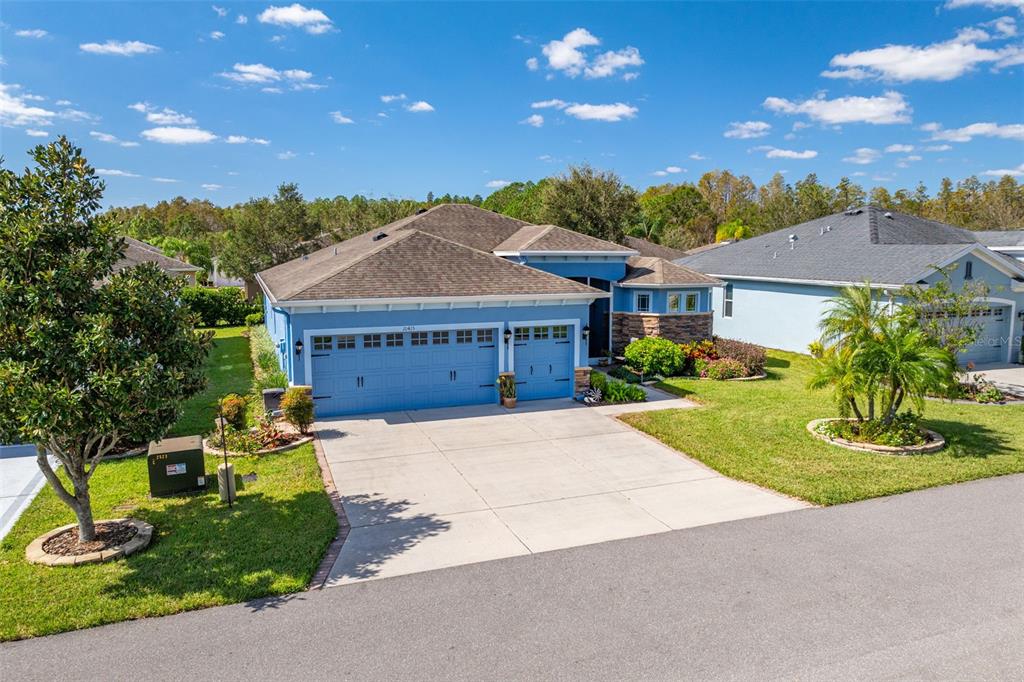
{"points": [[429, 489]]}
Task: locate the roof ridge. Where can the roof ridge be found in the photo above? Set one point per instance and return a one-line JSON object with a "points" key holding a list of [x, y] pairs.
{"points": [[547, 229], [873, 223], [401, 236]]}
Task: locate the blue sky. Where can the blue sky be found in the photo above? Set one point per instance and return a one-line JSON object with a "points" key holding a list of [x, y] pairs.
{"points": [[227, 100]]}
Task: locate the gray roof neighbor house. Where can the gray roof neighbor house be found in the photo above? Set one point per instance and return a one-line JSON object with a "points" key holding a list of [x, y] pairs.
{"points": [[137, 252], [868, 243]]}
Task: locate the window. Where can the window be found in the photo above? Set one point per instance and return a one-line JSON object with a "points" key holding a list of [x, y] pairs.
{"points": [[395, 340], [322, 343], [440, 338], [643, 303], [371, 340], [673, 303], [691, 303], [485, 336], [727, 308], [418, 338], [560, 332], [540, 332], [522, 333], [464, 336], [346, 342], [968, 270]]}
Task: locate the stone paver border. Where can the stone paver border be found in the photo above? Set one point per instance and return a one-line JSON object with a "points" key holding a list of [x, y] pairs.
{"points": [[35, 554], [323, 572], [936, 443], [211, 450]]}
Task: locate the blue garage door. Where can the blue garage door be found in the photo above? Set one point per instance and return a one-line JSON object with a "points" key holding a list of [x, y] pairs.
{"points": [[993, 335], [358, 373], [543, 362]]}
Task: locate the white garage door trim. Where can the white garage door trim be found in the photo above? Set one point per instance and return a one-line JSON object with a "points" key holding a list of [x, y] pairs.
{"points": [[308, 334], [573, 324], [1010, 323]]}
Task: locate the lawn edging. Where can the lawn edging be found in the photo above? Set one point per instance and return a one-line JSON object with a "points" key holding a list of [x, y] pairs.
{"points": [[936, 443]]}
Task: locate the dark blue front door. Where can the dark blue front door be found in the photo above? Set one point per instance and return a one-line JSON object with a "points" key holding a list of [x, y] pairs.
{"points": [[543, 362]]}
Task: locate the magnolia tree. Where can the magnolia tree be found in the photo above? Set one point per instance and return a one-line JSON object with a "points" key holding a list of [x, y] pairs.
{"points": [[90, 358]]}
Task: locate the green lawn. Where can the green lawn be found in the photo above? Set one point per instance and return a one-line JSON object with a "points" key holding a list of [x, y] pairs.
{"points": [[755, 431], [203, 554], [228, 370]]}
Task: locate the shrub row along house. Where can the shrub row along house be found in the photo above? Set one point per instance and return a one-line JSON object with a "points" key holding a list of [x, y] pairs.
{"points": [[778, 284], [427, 311]]}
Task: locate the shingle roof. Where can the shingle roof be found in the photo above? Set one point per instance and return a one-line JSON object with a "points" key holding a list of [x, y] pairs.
{"points": [[534, 238], [646, 270], [999, 238], [646, 248], [136, 252], [463, 224], [411, 258], [864, 244], [705, 247]]}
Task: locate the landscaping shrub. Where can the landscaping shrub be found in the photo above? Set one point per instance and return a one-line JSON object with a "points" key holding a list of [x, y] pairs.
{"points": [[654, 355], [724, 368], [598, 380], [700, 367], [904, 430], [621, 392], [625, 374], [233, 406], [254, 319], [751, 356], [297, 407], [695, 351], [214, 306]]}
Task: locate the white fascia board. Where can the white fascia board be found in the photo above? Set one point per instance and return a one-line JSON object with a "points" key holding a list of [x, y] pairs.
{"points": [[266, 289], [790, 280], [695, 285], [577, 297], [621, 254], [1003, 265]]}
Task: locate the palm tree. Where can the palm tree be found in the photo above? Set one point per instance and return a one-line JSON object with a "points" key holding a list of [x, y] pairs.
{"points": [[836, 367], [852, 317]]}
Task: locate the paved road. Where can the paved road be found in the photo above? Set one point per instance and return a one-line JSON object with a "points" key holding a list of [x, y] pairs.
{"points": [[927, 585]]}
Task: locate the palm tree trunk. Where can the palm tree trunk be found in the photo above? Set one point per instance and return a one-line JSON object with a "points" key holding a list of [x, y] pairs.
{"points": [[856, 409]]}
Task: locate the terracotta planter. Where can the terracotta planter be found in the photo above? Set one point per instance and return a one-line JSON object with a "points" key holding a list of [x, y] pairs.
{"points": [[508, 402]]}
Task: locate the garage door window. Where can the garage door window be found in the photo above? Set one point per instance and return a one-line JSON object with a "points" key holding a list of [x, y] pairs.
{"points": [[464, 336], [394, 340], [322, 343], [522, 333], [540, 333], [371, 341], [346, 342], [440, 338], [418, 338], [560, 332], [485, 336]]}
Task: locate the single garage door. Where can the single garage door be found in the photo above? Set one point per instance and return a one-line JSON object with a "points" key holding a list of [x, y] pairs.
{"points": [[379, 372], [993, 332], [543, 362]]}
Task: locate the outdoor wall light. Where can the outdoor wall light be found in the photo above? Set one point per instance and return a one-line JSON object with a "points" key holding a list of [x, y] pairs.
{"points": [[507, 335], [586, 332], [298, 347]]}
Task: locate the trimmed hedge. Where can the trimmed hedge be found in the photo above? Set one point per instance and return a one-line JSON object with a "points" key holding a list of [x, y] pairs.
{"points": [[216, 306], [655, 355], [752, 357]]}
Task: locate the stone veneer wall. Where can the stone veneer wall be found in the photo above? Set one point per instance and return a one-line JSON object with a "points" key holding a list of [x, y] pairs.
{"points": [[679, 328], [581, 378]]}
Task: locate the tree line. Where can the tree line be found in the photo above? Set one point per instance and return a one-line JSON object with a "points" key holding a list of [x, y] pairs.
{"points": [[264, 231]]}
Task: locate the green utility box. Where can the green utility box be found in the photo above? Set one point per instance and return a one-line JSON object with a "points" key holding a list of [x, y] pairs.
{"points": [[176, 465]]}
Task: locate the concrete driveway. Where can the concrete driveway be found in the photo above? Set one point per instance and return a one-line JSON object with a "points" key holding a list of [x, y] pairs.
{"points": [[20, 480], [429, 489], [1007, 376]]}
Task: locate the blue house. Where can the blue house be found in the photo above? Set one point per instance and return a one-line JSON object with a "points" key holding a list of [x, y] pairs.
{"points": [[427, 311], [778, 284]]}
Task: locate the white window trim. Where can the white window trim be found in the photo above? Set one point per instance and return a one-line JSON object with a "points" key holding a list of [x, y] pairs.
{"points": [[679, 301], [636, 301], [728, 299], [696, 303]]}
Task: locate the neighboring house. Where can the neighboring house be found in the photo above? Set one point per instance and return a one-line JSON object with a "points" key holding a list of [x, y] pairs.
{"points": [[646, 248], [137, 252], [778, 284], [1008, 242], [427, 311]]}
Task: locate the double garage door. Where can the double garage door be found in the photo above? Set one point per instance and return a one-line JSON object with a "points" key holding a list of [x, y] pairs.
{"points": [[993, 336], [378, 372]]}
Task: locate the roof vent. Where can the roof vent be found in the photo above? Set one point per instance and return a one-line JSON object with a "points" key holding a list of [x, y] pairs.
{"points": [[420, 210], [335, 250], [853, 211], [305, 256], [775, 255], [380, 235], [792, 241], [888, 215], [828, 228]]}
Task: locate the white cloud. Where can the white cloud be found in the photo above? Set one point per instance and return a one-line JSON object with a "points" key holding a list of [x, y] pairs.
{"points": [[255, 74], [1012, 131], [907, 160], [164, 180], [340, 118], [63, 102], [216, 35], [611, 113], [177, 135], [113, 172], [991, 4], [899, 148], [284, 156], [776, 153], [15, 111], [162, 117], [568, 55], [697, 156], [938, 148], [211, 187], [1016, 172], [669, 170], [241, 19], [863, 156], [31, 33], [535, 120], [221, 12], [747, 130], [77, 116], [388, 99], [111, 139], [498, 184], [32, 132], [888, 108], [242, 139], [419, 107], [545, 157], [296, 16], [549, 104], [941, 61], [119, 48]]}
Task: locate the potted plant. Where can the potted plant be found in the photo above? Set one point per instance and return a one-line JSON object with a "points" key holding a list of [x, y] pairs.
{"points": [[507, 389]]}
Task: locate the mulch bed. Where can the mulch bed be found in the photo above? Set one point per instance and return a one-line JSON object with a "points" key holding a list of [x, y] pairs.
{"points": [[108, 535]]}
